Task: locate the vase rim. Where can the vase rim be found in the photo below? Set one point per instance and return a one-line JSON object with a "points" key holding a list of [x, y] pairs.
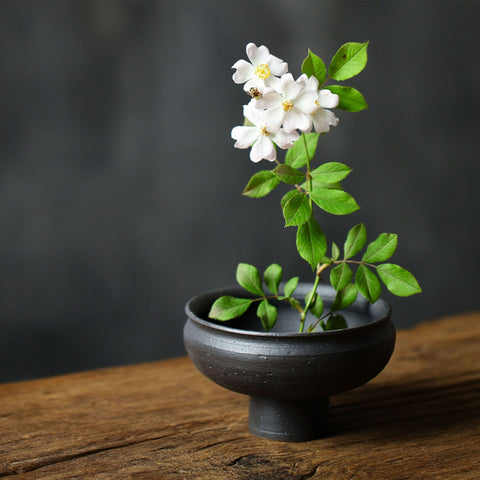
{"points": [[380, 304]]}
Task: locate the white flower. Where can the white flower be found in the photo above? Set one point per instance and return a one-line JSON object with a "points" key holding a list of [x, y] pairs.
{"points": [[291, 104], [322, 119], [261, 70], [260, 136]]}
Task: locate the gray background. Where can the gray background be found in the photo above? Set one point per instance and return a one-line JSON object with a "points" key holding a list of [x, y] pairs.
{"points": [[120, 187]]}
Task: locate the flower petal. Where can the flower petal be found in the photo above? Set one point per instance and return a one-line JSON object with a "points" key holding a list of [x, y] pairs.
{"points": [[263, 149], [273, 118], [245, 136], [257, 54], [291, 89], [272, 83], [296, 119], [286, 83], [327, 99], [306, 101], [244, 71], [253, 114], [277, 66], [254, 82], [322, 119], [270, 99], [285, 139], [312, 83]]}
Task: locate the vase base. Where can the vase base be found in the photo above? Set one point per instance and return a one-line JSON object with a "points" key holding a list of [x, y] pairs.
{"points": [[288, 420]]}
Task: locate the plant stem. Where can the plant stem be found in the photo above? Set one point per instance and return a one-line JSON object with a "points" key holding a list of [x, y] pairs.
{"points": [[324, 82], [372, 265], [315, 325], [308, 179], [320, 269]]}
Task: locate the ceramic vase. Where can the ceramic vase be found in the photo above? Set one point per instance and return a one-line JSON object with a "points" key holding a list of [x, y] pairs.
{"points": [[289, 376]]}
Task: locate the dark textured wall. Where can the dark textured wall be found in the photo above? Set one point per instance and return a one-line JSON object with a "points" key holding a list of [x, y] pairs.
{"points": [[120, 188]]}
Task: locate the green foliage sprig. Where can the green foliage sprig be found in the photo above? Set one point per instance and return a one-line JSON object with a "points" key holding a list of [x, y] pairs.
{"points": [[311, 188]]}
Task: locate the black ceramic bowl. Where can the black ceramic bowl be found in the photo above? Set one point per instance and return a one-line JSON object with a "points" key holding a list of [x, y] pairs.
{"points": [[288, 374]]}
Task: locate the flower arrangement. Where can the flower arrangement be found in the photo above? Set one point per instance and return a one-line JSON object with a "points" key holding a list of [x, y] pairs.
{"points": [[292, 114]]}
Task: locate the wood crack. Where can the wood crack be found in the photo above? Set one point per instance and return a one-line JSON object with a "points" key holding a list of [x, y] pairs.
{"points": [[18, 468], [311, 473], [221, 442], [254, 462]]}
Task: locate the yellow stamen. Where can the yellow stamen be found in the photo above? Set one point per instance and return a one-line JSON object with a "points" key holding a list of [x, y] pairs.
{"points": [[262, 71], [287, 105], [265, 131], [317, 103]]}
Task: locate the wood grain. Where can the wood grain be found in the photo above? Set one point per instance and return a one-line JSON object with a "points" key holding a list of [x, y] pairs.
{"points": [[419, 419]]}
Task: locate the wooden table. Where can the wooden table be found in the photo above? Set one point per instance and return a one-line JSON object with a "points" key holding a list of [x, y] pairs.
{"points": [[419, 419]]}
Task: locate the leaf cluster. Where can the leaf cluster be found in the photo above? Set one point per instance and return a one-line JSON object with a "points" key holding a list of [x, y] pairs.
{"points": [[248, 276], [366, 281], [368, 275], [349, 61], [320, 186]]}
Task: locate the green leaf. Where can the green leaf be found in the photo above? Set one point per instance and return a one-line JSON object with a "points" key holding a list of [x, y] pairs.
{"points": [[331, 172], [311, 242], [296, 208], [226, 308], [316, 185], [344, 297], [296, 156], [336, 202], [294, 303], [349, 61], [368, 284], [261, 184], [288, 174], [267, 313], [350, 99], [381, 249], [398, 280], [341, 276], [317, 307], [309, 295], [335, 251], [313, 65], [336, 322], [249, 278], [320, 185], [290, 286], [272, 277], [356, 238]]}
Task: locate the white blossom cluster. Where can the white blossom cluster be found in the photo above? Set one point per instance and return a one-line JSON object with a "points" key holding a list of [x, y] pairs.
{"points": [[280, 105]]}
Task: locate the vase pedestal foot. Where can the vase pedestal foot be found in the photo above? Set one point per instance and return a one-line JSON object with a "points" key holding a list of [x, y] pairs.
{"points": [[288, 420]]}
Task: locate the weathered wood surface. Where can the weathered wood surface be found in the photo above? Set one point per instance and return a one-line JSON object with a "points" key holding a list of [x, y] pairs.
{"points": [[419, 419]]}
